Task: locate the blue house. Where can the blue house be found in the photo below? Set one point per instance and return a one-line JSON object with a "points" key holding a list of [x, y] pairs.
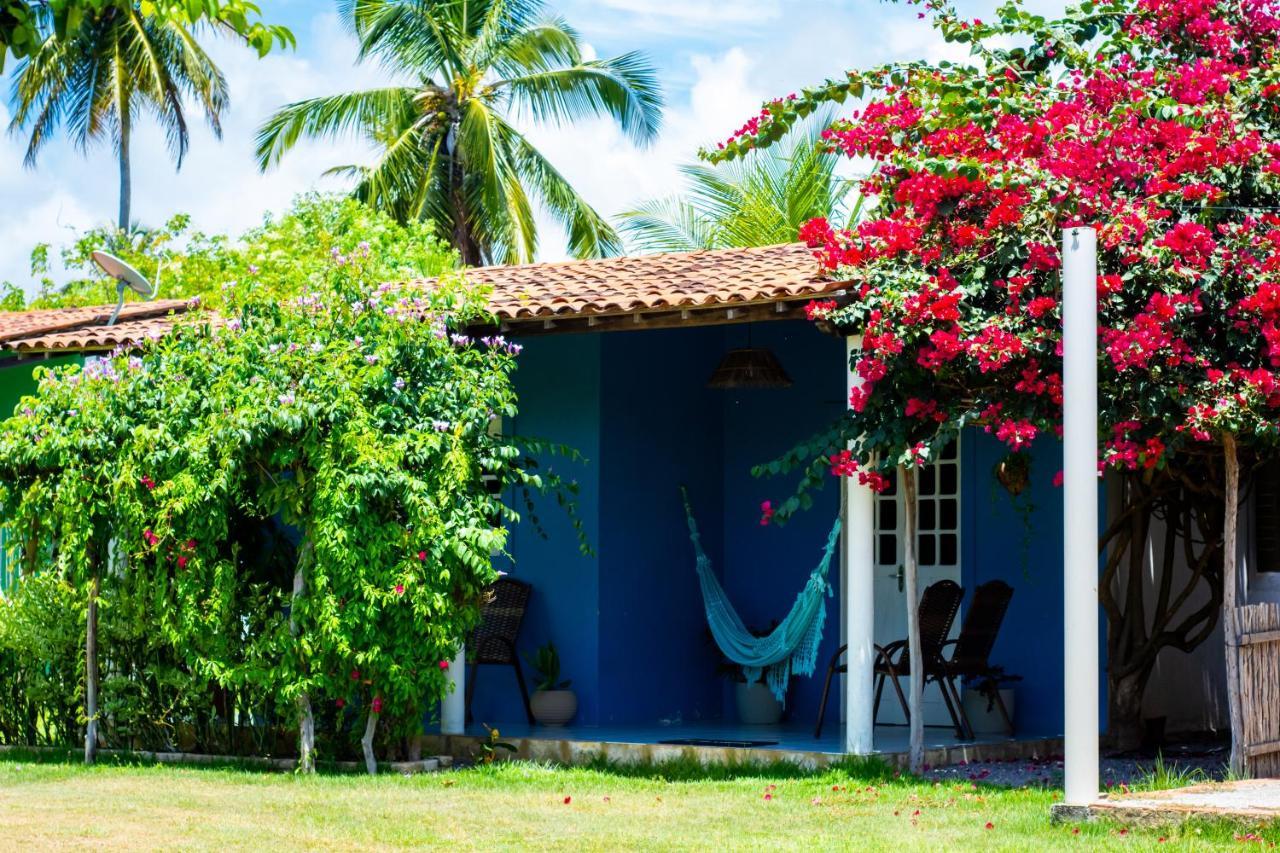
{"points": [[617, 362]]}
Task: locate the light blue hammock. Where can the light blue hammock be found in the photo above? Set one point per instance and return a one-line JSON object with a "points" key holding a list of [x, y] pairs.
{"points": [[792, 647]]}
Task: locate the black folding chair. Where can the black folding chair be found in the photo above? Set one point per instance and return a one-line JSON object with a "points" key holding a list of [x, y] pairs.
{"points": [[493, 642]]}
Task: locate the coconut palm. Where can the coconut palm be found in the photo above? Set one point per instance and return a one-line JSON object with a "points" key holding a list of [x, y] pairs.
{"points": [[757, 200], [98, 79], [447, 149]]}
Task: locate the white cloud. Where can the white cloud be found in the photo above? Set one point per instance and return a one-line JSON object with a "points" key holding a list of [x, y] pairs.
{"points": [[218, 184], [677, 16]]}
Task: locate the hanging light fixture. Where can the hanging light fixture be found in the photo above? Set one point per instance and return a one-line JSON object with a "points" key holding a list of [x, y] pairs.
{"points": [[749, 367]]}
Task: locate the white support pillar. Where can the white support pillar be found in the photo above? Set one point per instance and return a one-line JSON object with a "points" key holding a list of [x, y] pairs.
{"points": [[1080, 516], [453, 707], [859, 597]]}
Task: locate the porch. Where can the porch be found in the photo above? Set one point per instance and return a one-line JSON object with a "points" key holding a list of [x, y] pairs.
{"points": [[628, 388]]}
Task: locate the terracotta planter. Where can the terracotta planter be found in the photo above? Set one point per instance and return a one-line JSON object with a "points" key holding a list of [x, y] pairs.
{"points": [[757, 705], [554, 707], [986, 722]]}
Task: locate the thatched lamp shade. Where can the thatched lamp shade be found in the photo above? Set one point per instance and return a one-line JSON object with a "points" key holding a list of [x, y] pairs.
{"points": [[751, 367]]}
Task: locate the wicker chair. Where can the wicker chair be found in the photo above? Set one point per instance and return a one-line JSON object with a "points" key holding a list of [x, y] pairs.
{"points": [[937, 611], [970, 657], [493, 642]]}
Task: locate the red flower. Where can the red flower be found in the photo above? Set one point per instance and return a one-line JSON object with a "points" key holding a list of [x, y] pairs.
{"points": [[444, 664], [150, 538], [148, 482], [399, 589], [182, 562], [355, 675], [377, 705], [990, 825], [568, 800], [422, 556], [766, 513], [341, 703]]}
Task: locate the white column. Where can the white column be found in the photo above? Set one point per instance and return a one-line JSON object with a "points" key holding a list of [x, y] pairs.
{"points": [[859, 597], [1080, 517], [453, 707]]}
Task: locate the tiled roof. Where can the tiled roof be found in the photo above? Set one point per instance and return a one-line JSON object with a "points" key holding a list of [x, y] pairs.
{"points": [[564, 290], [704, 279], [84, 328]]}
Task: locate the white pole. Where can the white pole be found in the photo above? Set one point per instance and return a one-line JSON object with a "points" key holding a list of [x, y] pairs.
{"points": [[1080, 517], [453, 707], [859, 597]]}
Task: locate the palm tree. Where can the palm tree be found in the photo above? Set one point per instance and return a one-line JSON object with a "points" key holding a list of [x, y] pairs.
{"points": [[97, 80], [447, 150], [758, 200]]}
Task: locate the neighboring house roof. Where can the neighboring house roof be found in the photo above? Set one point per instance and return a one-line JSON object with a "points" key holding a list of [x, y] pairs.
{"points": [[84, 329], [644, 291], [707, 287]]}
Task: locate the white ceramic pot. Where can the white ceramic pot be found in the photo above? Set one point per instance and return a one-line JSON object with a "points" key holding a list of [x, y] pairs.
{"points": [[757, 705], [554, 707], [987, 722]]}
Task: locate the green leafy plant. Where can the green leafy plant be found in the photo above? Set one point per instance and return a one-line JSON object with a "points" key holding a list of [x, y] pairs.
{"points": [[545, 664], [490, 747]]}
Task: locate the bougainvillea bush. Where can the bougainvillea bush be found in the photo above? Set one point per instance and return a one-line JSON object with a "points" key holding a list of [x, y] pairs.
{"points": [[1158, 123], [294, 496]]}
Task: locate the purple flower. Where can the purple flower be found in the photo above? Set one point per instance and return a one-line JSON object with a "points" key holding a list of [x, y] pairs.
{"points": [[398, 384], [233, 324], [371, 359], [459, 340], [286, 399], [253, 269], [515, 349], [317, 347], [364, 248], [440, 426], [359, 341]]}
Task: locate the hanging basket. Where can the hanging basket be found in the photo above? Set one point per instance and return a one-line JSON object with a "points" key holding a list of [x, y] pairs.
{"points": [[1014, 473], [753, 367]]}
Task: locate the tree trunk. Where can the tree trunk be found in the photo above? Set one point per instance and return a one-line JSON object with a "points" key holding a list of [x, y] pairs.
{"points": [[1231, 635], [1124, 709], [126, 181], [366, 743], [306, 718], [91, 675], [915, 694]]}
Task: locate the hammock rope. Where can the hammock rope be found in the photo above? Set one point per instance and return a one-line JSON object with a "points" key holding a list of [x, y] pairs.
{"points": [[792, 647]]}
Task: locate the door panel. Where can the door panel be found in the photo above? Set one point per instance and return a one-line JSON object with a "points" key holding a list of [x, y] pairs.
{"points": [[938, 555]]}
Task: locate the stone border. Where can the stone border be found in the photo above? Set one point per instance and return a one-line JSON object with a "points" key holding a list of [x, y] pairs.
{"points": [[571, 751], [196, 759]]}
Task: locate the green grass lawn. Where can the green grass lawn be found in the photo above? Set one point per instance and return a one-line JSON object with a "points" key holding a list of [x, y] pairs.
{"points": [[518, 805]]}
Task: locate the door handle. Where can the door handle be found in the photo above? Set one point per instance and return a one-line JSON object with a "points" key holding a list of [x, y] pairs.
{"points": [[901, 575]]}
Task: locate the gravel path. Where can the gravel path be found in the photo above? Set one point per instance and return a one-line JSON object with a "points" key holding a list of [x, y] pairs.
{"points": [[1115, 772]]}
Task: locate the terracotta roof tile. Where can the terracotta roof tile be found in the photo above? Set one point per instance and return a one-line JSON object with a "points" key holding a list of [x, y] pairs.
{"points": [[640, 283], [84, 328], [673, 280]]}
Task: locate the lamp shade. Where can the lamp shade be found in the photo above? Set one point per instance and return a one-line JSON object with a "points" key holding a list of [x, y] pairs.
{"points": [[751, 367]]}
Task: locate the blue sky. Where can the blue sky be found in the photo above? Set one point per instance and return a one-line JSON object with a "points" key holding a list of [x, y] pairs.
{"points": [[717, 60]]}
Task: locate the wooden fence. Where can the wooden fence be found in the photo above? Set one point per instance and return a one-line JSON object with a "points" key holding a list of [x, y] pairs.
{"points": [[1257, 627]]}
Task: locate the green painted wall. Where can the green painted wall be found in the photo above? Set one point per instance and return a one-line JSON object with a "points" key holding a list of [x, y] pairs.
{"points": [[17, 381]]}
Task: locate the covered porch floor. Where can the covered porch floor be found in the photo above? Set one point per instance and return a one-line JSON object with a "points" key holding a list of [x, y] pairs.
{"points": [[720, 742]]}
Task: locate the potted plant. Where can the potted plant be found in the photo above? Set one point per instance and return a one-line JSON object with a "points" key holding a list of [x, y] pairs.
{"points": [[756, 704], [980, 701], [553, 703]]}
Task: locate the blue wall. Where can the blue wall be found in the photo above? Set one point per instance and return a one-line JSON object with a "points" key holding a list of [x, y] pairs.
{"points": [[766, 566], [1020, 541], [559, 388], [629, 622]]}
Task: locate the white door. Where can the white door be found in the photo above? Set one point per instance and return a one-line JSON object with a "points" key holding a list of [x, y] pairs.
{"points": [[938, 553]]}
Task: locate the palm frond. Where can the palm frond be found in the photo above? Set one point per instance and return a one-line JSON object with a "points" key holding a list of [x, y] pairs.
{"points": [[667, 225], [333, 115], [624, 87]]}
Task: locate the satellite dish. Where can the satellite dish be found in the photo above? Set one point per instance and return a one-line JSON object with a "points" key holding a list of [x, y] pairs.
{"points": [[125, 276]]}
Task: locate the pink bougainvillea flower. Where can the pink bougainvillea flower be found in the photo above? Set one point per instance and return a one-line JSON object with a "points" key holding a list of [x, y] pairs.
{"points": [[766, 513], [355, 675], [182, 562], [568, 800], [422, 556], [768, 796], [148, 482], [150, 538], [341, 703], [990, 825], [377, 705], [444, 664], [399, 589]]}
